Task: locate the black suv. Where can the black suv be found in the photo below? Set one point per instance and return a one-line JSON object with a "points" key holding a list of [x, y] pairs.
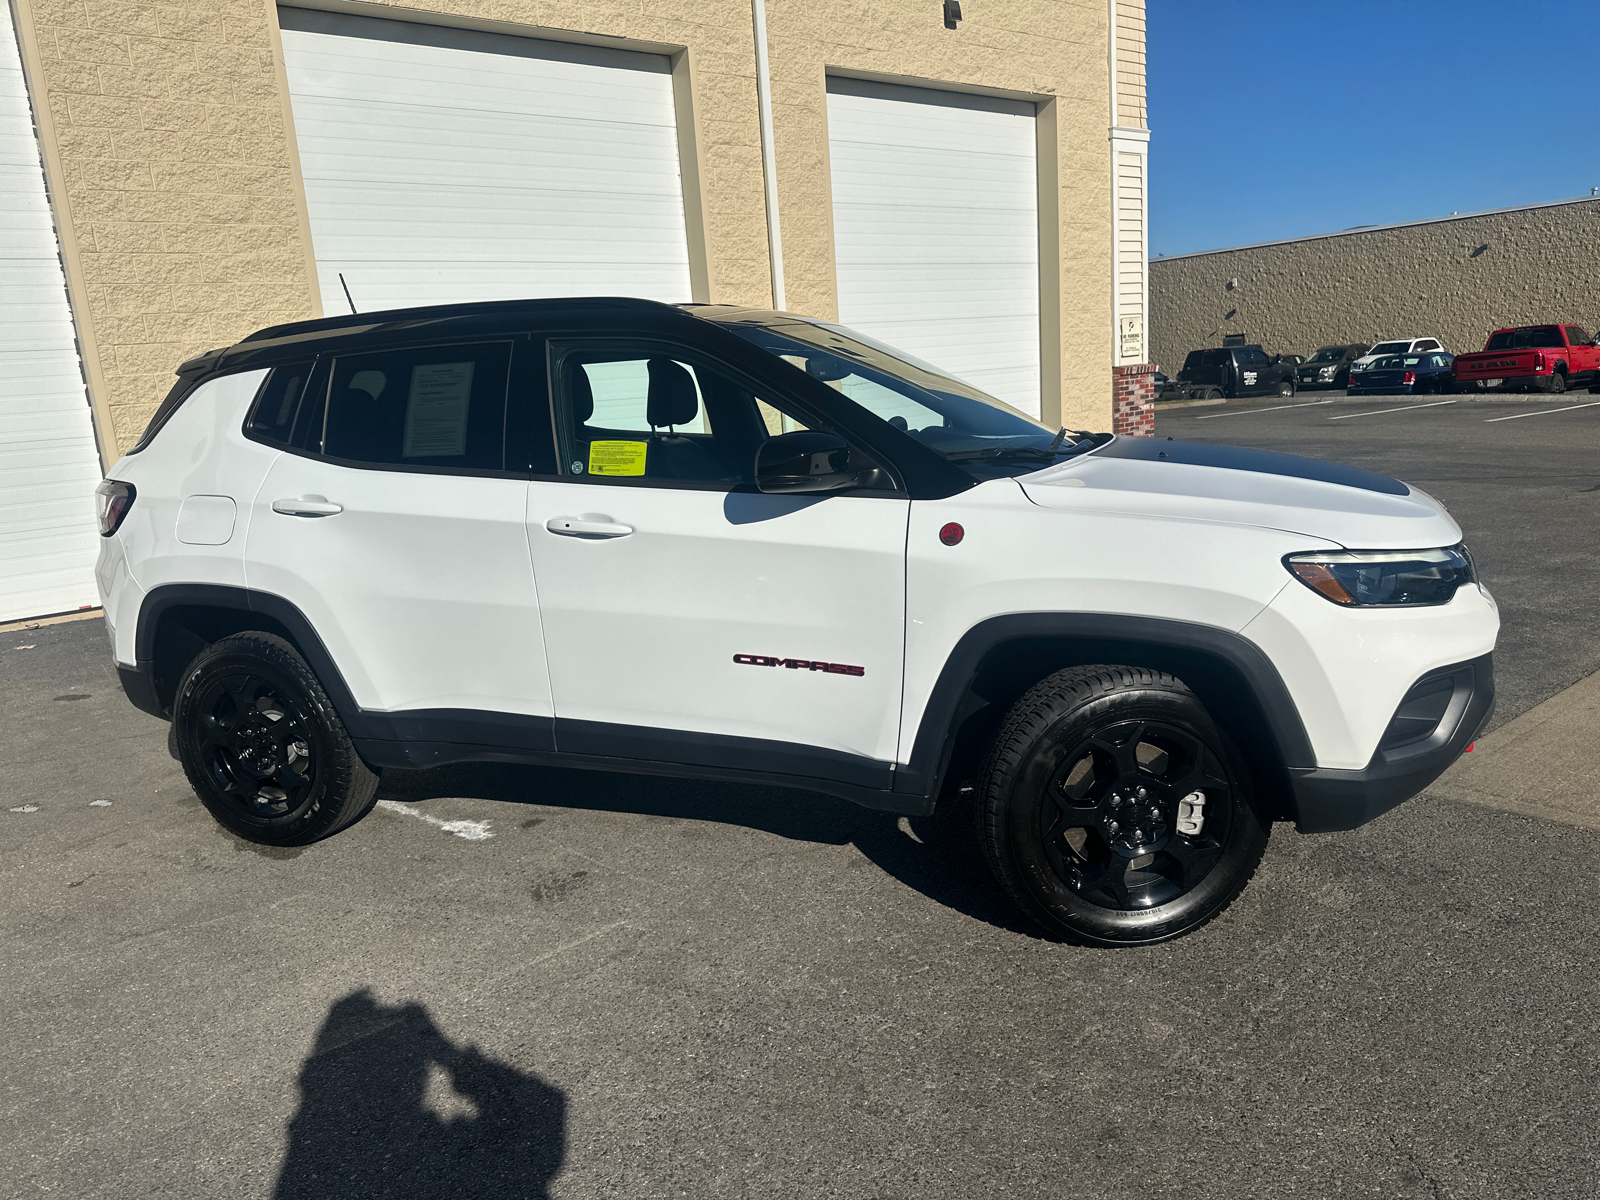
{"points": [[1330, 366], [1232, 371]]}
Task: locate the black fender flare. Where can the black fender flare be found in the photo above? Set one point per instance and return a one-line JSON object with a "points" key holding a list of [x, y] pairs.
{"points": [[925, 768], [207, 595]]}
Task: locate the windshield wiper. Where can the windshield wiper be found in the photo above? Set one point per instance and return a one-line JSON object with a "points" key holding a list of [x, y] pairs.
{"points": [[1037, 454]]}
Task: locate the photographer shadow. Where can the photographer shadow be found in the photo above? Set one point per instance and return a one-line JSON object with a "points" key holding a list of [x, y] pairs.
{"points": [[392, 1108]]}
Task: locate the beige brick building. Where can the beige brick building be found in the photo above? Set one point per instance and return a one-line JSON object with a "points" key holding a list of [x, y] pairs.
{"points": [[1456, 278], [198, 186]]}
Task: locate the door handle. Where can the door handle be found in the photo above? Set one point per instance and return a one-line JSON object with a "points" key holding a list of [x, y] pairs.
{"points": [[306, 506], [590, 525]]}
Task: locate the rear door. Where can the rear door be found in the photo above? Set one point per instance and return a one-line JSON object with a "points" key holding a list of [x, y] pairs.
{"points": [[393, 524], [1584, 356], [690, 618]]}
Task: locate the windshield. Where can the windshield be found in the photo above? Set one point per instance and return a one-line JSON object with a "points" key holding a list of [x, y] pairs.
{"points": [[1390, 348], [966, 425], [1544, 337], [1329, 354]]}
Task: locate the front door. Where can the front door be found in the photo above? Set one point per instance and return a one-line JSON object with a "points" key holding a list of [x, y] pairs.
{"points": [[394, 527], [687, 616]]}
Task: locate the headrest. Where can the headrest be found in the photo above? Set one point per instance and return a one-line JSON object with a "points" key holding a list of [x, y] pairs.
{"points": [[672, 398], [581, 392]]}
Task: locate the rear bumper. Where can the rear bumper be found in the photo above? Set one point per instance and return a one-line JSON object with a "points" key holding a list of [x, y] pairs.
{"points": [[1327, 800], [1510, 383], [1398, 389]]}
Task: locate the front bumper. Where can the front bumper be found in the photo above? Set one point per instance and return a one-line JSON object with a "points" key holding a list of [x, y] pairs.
{"points": [[1416, 749]]}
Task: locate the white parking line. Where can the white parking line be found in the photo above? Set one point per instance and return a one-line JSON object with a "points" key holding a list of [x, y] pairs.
{"points": [[473, 831], [1543, 412], [1275, 408], [1379, 412]]}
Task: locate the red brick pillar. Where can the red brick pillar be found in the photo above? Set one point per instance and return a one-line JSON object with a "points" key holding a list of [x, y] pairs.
{"points": [[1133, 395]]}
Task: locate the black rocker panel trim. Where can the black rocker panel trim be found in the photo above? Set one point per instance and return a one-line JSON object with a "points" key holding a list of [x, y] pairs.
{"points": [[600, 739], [940, 717], [423, 754]]}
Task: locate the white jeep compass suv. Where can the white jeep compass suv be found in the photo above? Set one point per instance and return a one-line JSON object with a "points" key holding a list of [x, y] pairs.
{"points": [[740, 544]]}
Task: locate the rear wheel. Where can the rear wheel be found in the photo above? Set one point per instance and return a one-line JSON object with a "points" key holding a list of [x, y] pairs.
{"points": [[1114, 811], [1214, 394], [1558, 383], [1286, 388], [262, 745]]}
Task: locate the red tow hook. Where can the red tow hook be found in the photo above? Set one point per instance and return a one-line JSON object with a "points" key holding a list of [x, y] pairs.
{"points": [[1470, 745]]}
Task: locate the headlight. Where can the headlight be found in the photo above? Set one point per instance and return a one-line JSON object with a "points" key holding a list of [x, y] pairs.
{"points": [[1328, 372], [1362, 578]]}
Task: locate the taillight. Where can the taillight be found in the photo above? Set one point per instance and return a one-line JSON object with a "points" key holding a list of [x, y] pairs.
{"points": [[1538, 362], [1410, 377], [114, 498]]}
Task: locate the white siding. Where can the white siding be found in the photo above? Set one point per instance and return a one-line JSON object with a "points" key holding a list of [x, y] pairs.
{"points": [[49, 465], [1132, 252], [936, 229], [444, 165]]}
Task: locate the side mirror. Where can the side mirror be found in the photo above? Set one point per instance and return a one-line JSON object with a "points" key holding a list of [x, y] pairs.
{"points": [[809, 461]]}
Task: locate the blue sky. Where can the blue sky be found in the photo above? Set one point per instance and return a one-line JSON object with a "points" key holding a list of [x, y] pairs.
{"points": [[1272, 119]]}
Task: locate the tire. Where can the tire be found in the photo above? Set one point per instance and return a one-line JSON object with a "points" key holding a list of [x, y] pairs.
{"points": [[1558, 383], [1074, 757], [1286, 389], [1214, 394], [263, 747]]}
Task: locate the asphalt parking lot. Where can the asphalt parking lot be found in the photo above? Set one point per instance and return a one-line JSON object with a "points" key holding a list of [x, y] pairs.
{"points": [[523, 982]]}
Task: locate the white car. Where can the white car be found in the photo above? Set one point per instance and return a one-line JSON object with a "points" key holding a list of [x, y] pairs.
{"points": [[1415, 345], [738, 544]]}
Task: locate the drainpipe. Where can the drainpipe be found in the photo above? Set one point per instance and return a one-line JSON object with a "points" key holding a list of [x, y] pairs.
{"points": [[769, 162]]}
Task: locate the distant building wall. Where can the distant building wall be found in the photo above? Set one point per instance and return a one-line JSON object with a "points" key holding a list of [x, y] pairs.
{"points": [[1455, 278]]}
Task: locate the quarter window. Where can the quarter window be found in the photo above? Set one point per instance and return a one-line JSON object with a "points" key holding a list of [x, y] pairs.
{"points": [[434, 406], [1577, 336], [272, 419]]}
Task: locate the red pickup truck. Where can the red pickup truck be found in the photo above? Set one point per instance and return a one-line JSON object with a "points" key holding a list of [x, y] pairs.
{"points": [[1544, 358]]}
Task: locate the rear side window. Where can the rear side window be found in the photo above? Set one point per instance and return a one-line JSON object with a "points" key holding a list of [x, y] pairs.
{"points": [[1577, 336], [272, 418], [434, 406]]}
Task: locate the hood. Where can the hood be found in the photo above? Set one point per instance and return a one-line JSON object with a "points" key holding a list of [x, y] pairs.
{"points": [[1356, 509]]}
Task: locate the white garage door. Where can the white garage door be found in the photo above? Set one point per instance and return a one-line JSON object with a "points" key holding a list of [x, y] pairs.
{"points": [[936, 229], [445, 165], [48, 462]]}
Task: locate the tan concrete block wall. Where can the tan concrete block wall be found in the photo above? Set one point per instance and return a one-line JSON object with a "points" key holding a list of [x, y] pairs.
{"points": [[175, 182], [181, 193], [1457, 280]]}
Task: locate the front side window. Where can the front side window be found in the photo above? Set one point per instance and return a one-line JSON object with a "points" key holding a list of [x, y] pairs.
{"points": [[636, 412], [424, 407], [969, 427]]}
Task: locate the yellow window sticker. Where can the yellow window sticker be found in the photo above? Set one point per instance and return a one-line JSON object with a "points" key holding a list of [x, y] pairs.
{"points": [[617, 458]]}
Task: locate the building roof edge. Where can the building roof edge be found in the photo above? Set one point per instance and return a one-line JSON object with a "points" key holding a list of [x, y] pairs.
{"points": [[1358, 229]]}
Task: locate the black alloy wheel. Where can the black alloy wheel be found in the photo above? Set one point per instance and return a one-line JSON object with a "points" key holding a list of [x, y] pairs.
{"points": [[1114, 811], [262, 745]]}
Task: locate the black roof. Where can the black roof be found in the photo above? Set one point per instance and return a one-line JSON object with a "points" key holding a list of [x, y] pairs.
{"points": [[396, 319]]}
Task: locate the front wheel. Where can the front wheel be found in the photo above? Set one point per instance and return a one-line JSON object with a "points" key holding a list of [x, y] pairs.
{"points": [[1286, 389], [1113, 810], [262, 745]]}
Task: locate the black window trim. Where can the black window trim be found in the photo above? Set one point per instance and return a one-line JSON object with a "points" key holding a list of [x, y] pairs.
{"points": [[760, 388], [509, 339]]}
